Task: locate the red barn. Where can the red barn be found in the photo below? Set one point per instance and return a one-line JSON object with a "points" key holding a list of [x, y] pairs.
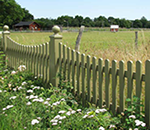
{"points": [[114, 28], [27, 25]]}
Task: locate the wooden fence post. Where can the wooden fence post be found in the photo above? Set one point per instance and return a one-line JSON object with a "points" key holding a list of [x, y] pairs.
{"points": [[55, 39], [5, 33], [147, 95], [136, 39]]}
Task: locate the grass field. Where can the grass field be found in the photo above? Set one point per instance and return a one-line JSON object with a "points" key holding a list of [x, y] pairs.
{"points": [[102, 44]]}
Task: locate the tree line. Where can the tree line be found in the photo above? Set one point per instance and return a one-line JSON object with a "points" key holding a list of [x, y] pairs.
{"points": [[101, 21], [12, 13]]}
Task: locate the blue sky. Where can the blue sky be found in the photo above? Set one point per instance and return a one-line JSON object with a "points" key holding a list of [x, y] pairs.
{"points": [[128, 9]]}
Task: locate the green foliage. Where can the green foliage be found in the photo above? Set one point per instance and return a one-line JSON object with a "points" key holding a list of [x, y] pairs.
{"points": [[133, 118], [9, 18]]}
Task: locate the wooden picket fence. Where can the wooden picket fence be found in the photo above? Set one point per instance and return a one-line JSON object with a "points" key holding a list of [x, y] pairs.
{"points": [[94, 80]]}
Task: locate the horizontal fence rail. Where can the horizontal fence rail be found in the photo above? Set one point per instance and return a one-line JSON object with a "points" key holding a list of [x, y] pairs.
{"points": [[94, 80]]}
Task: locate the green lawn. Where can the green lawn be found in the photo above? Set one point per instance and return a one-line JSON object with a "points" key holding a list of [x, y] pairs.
{"points": [[102, 44]]}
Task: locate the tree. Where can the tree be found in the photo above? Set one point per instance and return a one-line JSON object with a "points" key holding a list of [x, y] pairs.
{"points": [[137, 24], [144, 21], [10, 12], [88, 22], [28, 16], [78, 20], [64, 20]]}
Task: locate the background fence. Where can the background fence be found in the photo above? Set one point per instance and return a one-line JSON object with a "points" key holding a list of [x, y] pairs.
{"points": [[94, 80]]}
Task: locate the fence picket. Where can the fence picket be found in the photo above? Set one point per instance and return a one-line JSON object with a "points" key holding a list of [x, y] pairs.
{"points": [[43, 61], [73, 71], [100, 75], [130, 80], [88, 78], [107, 82], [138, 81], [94, 80], [40, 62], [114, 86], [68, 62], [121, 87], [83, 79], [64, 62], [78, 73], [147, 95]]}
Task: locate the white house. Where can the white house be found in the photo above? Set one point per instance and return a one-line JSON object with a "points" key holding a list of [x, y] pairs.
{"points": [[114, 28]]}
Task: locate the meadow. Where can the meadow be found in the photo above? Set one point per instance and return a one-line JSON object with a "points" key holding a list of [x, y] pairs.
{"points": [[102, 44]]}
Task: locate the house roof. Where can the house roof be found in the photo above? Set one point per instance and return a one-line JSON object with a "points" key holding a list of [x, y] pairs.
{"points": [[114, 26], [24, 23]]}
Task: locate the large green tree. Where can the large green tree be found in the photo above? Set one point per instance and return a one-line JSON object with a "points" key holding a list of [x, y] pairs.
{"points": [[12, 13]]}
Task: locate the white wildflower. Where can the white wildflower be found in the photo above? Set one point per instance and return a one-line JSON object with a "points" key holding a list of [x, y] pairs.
{"points": [[34, 121], [68, 113], [32, 86], [73, 112], [30, 91], [36, 88], [15, 89], [48, 99], [62, 99], [136, 129], [20, 88], [143, 124], [9, 106], [100, 110], [138, 122], [89, 112], [54, 124], [41, 100], [57, 117], [85, 116], [13, 72], [5, 91], [27, 97], [24, 83], [28, 103], [1, 91], [4, 109], [91, 116], [13, 97], [46, 102], [62, 117], [38, 100], [39, 118], [22, 68], [32, 96], [54, 121], [101, 128], [56, 103], [62, 111], [112, 126], [132, 116], [5, 70], [60, 122], [79, 110], [25, 127]]}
